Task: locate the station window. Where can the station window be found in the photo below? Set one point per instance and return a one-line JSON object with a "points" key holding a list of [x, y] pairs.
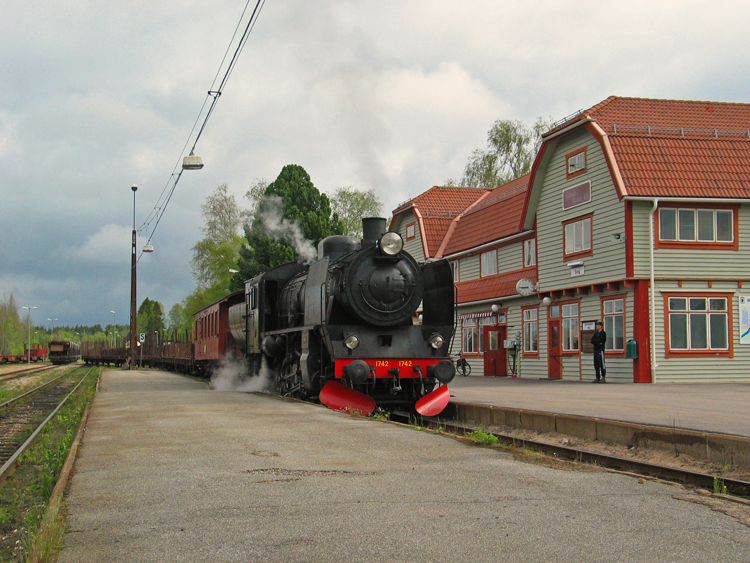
{"points": [[570, 340], [575, 163], [681, 227], [531, 331], [411, 231], [455, 270], [577, 237], [613, 315], [469, 336], [699, 325], [489, 263], [529, 253]]}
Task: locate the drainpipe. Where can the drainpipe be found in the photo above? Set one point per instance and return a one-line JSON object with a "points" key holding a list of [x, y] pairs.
{"points": [[652, 329]]}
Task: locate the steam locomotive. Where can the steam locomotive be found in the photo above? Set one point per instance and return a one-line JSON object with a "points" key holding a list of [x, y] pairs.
{"points": [[341, 329]]}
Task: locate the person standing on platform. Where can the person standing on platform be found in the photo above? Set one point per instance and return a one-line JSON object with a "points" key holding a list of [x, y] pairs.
{"points": [[598, 340]]}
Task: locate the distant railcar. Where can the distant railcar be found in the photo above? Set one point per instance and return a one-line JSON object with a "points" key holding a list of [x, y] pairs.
{"points": [[64, 352]]}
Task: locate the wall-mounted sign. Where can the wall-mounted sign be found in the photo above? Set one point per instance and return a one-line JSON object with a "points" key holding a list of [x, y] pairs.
{"points": [[577, 195], [577, 271]]}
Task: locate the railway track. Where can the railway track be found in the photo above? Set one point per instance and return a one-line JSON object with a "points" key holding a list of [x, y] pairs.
{"points": [[29, 413], [734, 487], [25, 371]]}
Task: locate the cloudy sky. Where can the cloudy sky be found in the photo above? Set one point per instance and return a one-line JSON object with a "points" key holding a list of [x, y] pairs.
{"points": [[388, 95]]}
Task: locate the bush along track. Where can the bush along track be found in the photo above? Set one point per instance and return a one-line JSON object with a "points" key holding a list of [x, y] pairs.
{"points": [[25, 533]]}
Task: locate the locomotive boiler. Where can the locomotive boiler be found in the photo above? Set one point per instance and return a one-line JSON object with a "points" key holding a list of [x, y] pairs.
{"points": [[344, 329]]}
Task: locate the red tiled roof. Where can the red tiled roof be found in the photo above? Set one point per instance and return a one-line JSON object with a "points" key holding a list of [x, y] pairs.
{"points": [[496, 216], [500, 285], [438, 206], [675, 148]]}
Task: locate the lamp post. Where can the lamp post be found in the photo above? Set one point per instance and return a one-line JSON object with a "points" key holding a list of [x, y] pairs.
{"points": [[28, 350], [133, 308], [114, 326], [52, 330]]}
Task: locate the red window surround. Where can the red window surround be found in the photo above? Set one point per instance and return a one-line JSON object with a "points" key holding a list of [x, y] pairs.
{"points": [[696, 245], [586, 252], [580, 171]]}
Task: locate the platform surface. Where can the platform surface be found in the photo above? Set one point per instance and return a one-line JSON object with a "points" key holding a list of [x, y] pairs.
{"points": [[705, 407], [171, 471]]}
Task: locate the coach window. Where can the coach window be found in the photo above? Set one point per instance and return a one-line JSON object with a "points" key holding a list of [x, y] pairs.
{"points": [[469, 336]]}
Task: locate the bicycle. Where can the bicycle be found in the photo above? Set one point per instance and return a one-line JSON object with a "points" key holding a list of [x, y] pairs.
{"points": [[463, 368]]}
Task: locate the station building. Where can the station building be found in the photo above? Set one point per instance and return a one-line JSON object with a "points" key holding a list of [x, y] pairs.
{"points": [[625, 197]]}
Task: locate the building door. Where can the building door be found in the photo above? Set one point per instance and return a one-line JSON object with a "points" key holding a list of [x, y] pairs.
{"points": [[495, 356], [554, 349]]}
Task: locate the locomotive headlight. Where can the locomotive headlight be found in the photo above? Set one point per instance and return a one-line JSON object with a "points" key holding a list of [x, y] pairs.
{"points": [[351, 341], [436, 341], [391, 243]]}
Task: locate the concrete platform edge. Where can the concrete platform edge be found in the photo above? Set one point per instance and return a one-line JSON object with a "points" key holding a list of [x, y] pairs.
{"points": [[719, 448]]}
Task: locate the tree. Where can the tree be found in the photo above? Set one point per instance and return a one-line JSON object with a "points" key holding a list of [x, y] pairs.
{"points": [[288, 223], [218, 251], [254, 195], [150, 316], [351, 205], [511, 149], [12, 328]]}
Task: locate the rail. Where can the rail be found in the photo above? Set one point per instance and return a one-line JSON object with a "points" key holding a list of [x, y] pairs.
{"points": [[10, 463]]}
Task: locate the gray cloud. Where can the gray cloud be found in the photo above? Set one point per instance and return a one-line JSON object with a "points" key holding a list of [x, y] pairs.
{"points": [[390, 95]]}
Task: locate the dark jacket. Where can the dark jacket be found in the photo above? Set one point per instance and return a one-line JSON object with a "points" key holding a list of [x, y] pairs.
{"points": [[598, 340]]}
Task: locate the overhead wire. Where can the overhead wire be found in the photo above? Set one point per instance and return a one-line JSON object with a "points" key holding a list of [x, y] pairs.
{"points": [[165, 197]]}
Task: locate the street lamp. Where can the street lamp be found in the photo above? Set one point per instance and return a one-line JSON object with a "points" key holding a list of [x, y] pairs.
{"points": [[114, 325], [28, 350], [52, 332]]}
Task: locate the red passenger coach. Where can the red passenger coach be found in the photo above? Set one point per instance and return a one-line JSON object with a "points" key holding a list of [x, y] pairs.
{"points": [[212, 336]]}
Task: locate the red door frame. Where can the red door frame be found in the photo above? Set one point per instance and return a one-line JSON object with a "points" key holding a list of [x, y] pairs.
{"points": [[495, 361], [554, 347]]}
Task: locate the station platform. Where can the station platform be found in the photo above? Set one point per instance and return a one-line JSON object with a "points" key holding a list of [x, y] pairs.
{"points": [[170, 470], [706, 421], [701, 407]]}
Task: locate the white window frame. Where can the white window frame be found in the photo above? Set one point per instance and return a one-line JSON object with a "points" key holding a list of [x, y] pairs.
{"points": [[613, 313], [488, 263], [577, 162], [455, 268], [578, 235], [411, 231], [529, 253], [571, 341], [531, 330], [469, 336], [692, 320], [687, 228]]}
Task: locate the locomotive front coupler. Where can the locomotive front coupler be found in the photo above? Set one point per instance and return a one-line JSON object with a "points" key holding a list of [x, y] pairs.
{"points": [[418, 369], [396, 389]]}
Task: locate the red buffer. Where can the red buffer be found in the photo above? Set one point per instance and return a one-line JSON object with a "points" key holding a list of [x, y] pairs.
{"points": [[433, 403], [341, 398]]}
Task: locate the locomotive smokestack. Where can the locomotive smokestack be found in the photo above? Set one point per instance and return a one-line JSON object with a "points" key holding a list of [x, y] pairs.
{"points": [[372, 229]]}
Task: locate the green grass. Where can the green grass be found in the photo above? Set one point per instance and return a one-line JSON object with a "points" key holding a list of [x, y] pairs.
{"points": [[25, 495], [481, 438]]}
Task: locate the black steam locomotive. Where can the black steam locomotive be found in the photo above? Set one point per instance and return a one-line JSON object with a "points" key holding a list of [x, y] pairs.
{"points": [[342, 329]]}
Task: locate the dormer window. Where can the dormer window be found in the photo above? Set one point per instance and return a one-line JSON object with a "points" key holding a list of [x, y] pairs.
{"points": [[411, 231], [576, 163]]}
